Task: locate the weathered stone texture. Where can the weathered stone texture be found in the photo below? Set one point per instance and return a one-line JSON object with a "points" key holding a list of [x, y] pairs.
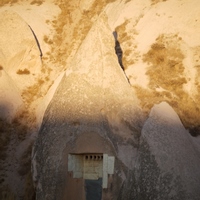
{"points": [[20, 55], [168, 161], [90, 112]]}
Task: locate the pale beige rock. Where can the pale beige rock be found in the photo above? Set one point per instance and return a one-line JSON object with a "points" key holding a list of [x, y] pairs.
{"points": [[38, 17], [21, 54], [93, 110], [10, 98], [77, 43]]}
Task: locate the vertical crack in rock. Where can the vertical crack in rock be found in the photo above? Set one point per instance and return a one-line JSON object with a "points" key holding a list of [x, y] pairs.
{"points": [[38, 44], [119, 52]]}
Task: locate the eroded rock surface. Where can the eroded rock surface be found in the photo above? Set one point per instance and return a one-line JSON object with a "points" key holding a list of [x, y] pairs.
{"points": [[90, 112], [21, 54], [60, 58], [168, 160]]}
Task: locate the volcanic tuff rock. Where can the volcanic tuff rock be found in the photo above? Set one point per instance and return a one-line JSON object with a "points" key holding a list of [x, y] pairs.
{"points": [[59, 56], [19, 62], [167, 165], [20, 53], [93, 100]]}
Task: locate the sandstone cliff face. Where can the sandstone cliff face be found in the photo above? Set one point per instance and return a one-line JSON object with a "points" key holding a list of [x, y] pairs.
{"points": [[58, 60]]}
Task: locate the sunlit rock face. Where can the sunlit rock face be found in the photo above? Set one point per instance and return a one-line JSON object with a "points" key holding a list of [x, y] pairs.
{"points": [[93, 111], [8, 91], [58, 60], [20, 54], [19, 61], [160, 55]]}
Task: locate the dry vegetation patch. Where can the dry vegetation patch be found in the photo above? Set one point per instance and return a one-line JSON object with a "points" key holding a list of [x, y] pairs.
{"points": [[11, 2], [166, 64], [37, 90], [23, 72], [71, 28], [37, 2], [167, 78]]}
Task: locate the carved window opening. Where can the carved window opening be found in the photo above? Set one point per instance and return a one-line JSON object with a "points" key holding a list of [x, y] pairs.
{"points": [[91, 166]]}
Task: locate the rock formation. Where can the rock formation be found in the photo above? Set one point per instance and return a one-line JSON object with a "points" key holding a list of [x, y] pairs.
{"points": [[93, 111], [107, 95], [9, 91], [168, 161], [21, 54]]}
